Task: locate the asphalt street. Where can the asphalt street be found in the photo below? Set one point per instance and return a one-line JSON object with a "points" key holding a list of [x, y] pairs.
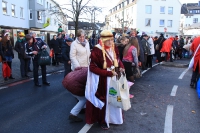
{"points": [[25, 108]]}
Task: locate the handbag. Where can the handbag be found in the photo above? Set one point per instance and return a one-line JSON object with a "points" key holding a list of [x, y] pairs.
{"points": [[136, 72], [191, 64], [6, 71], [44, 58], [119, 93], [51, 53]]}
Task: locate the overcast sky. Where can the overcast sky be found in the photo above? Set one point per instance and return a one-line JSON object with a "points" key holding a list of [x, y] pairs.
{"points": [[108, 4]]}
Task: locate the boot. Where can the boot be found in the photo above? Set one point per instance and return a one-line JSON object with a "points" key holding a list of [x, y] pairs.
{"points": [[5, 78], [192, 84], [74, 118], [11, 77]]}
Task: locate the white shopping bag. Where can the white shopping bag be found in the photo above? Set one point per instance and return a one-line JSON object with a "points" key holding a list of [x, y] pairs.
{"points": [[119, 93]]}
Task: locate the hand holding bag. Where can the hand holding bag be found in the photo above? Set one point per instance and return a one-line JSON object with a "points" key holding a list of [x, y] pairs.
{"points": [[44, 58], [191, 64], [119, 93]]}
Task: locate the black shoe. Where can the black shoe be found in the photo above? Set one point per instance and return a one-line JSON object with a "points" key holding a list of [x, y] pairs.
{"points": [[104, 126], [46, 83], [11, 77], [74, 118], [27, 76], [38, 85], [192, 84], [6, 79], [29, 70]]}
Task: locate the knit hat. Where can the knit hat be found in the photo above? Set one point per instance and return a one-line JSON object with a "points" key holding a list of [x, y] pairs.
{"points": [[107, 35], [21, 34]]}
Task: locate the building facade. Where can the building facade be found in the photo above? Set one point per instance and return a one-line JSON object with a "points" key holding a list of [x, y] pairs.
{"points": [[152, 16], [40, 16], [190, 19]]}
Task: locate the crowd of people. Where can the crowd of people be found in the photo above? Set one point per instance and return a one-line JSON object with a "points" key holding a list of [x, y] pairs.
{"points": [[109, 58]]}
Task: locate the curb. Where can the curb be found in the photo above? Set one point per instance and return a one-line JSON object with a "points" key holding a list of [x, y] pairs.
{"points": [[22, 79], [172, 64]]}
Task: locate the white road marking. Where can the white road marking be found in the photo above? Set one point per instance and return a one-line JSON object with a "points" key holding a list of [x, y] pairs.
{"points": [[174, 89], [183, 73], [85, 128], [149, 68], [4, 87], [168, 119]]}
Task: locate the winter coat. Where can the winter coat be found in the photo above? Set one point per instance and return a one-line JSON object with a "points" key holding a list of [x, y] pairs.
{"points": [[141, 56], [75, 81], [20, 48], [1, 49], [145, 46], [7, 50], [79, 54], [55, 45], [121, 49], [167, 45], [151, 45], [160, 41], [65, 52], [194, 46]]}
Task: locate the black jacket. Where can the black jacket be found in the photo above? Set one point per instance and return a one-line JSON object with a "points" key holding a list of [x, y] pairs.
{"points": [[20, 48], [55, 45], [160, 41], [65, 52], [121, 49], [7, 50], [0, 49]]}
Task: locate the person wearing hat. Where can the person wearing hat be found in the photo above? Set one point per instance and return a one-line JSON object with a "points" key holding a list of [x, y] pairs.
{"points": [[65, 55], [20, 48], [104, 60], [146, 48], [7, 53]]}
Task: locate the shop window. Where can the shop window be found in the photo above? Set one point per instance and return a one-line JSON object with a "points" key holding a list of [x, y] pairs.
{"points": [[13, 10], [21, 12], [4, 7]]}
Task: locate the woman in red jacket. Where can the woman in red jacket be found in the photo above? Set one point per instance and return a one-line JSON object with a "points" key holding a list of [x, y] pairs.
{"points": [[196, 67]]}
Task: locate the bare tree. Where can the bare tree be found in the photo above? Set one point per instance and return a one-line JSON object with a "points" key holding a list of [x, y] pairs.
{"points": [[78, 8]]}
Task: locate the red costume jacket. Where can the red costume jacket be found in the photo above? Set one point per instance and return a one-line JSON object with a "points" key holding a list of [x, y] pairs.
{"points": [[94, 114], [167, 45], [194, 46]]}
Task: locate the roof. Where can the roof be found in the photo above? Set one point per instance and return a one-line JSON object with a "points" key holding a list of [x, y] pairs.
{"points": [[86, 25], [189, 6]]}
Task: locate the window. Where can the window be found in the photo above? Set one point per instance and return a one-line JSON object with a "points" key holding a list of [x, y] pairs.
{"points": [[21, 12], [13, 10], [147, 22], [195, 20], [170, 10], [162, 23], [186, 16], [40, 2], [169, 24], [47, 5], [190, 11], [162, 9], [30, 15], [39, 15], [148, 9], [4, 7], [54, 21]]}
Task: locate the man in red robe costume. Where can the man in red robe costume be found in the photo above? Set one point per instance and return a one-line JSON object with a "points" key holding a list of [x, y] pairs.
{"points": [[104, 60], [196, 67]]}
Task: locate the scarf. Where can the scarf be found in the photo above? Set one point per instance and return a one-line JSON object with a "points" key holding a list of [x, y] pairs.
{"points": [[82, 43]]}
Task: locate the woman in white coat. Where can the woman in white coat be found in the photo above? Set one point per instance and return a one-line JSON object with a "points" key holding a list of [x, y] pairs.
{"points": [[80, 51], [79, 56], [152, 52]]}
